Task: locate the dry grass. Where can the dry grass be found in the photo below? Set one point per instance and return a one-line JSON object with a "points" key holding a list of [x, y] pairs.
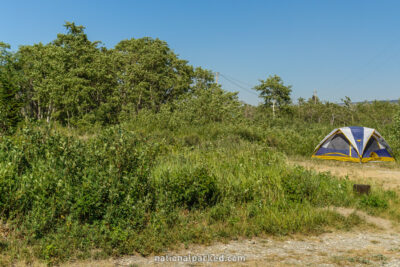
{"points": [[385, 174]]}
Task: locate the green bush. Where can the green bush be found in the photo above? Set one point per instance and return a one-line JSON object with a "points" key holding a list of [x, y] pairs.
{"points": [[189, 188], [191, 140], [47, 180], [249, 135], [374, 201], [321, 189]]}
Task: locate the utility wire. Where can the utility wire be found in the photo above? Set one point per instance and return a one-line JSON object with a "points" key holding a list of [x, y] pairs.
{"points": [[234, 79], [238, 85], [362, 72], [369, 73]]}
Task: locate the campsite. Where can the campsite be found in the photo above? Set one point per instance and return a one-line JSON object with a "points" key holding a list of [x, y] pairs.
{"points": [[133, 150]]}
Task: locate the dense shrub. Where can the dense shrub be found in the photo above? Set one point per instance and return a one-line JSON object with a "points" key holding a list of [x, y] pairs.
{"points": [[49, 179], [191, 140], [377, 199], [321, 189], [249, 134], [205, 106], [374, 201], [69, 191], [189, 188]]}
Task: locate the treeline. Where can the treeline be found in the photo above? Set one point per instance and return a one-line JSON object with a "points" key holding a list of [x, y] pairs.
{"points": [[314, 111], [73, 80], [78, 82]]}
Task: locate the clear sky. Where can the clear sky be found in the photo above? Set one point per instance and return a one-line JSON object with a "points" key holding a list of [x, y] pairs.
{"points": [[338, 48]]}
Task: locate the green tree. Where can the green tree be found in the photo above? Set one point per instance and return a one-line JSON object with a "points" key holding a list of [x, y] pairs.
{"points": [[202, 79], [70, 79], [10, 101], [43, 86], [208, 105], [149, 74], [273, 89], [396, 125], [88, 79], [349, 107]]}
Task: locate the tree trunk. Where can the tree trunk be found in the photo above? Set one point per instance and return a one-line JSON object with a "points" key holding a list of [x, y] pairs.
{"points": [[139, 102], [68, 118], [39, 111], [49, 111]]}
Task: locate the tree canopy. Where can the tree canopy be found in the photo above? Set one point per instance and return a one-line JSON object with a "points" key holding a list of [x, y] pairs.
{"points": [[272, 89], [10, 100], [75, 81]]}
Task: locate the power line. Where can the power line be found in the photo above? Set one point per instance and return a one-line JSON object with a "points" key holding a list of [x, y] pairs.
{"points": [[372, 71], [234, 79], [238, 85], [360, 73]]}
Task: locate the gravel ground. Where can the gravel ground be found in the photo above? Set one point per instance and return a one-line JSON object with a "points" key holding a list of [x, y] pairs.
{"points": [[375, 244], [373, 248]]}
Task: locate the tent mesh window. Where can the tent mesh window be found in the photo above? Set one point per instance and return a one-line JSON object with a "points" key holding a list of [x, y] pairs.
{"points": [[383, 143], [337, 142], [372, 146]]}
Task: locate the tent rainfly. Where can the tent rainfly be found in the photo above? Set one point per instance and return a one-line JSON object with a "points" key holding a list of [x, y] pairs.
{"points": [[357, 144]]}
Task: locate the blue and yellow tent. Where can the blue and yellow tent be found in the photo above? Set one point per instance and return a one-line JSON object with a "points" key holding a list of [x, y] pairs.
{"points": [[357, 144]]}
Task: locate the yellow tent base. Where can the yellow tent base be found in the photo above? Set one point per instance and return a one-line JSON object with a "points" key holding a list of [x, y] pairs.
{"points": [[351, 159], [337, 158], [378, 159]]}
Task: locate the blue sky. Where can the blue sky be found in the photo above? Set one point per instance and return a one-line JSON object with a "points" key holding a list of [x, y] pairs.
{"points": [[338, 48]]}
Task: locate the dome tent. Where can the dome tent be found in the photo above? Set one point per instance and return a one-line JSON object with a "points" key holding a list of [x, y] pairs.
{"points": [[357, 144]]}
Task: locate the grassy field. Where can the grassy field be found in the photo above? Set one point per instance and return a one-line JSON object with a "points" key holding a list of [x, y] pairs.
{"points": [[119, 191]]}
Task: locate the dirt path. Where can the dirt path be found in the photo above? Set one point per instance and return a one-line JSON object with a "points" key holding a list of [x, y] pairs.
{"points": [[331, 249], [376, 221], [374, 173], [378, 246]]}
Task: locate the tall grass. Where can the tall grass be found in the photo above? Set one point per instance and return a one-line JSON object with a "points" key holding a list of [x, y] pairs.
{"points": [[143, 188]]}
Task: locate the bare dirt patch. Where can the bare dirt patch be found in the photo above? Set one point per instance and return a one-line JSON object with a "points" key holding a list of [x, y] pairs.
{"points": [[382, 174], [381, 223]]}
